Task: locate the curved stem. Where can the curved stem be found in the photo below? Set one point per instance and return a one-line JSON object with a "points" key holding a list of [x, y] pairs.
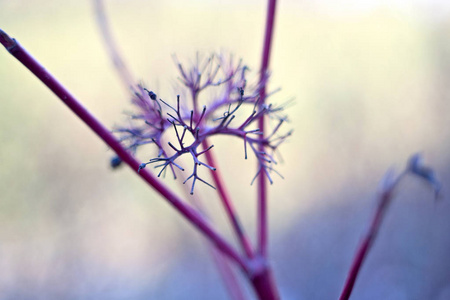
{"points": [[15, 49], [262, 181], [384, 199], [222, 265], [264, 286], [231, 282], [227, 203], [111, 46], [224, 268]]}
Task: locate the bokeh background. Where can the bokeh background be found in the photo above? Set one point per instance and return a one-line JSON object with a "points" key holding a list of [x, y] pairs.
{"points": [[371, 82]]}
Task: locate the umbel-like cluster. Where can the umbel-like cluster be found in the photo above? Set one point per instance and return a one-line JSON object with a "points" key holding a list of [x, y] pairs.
{"points": [[227, 82]]}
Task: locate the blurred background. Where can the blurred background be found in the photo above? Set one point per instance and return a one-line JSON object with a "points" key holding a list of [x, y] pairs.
{"points": [[371, 82]]}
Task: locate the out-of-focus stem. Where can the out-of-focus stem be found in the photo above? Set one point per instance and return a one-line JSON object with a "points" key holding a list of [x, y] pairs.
{"points": [[263, 282], [228, 275], [264, 285], [111, 47], [222, 263], [262, 181], [225, 270], [188, 212], [384, 199], [227, 203]]}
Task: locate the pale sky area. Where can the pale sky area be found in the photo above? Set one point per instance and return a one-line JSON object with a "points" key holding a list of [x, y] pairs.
{"points": [[431, 8], [434, 10]]}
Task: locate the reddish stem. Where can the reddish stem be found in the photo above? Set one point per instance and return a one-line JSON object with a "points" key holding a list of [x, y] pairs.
{"points": [[262, 279], [227, 203], [188, 212], [222, 263], [264, 286], [384, 199], [263, 282], [228, 275], [262, 181], [225, 270]]}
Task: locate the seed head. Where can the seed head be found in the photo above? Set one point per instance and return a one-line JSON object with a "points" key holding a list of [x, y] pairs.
{"points": [[227, 82]]}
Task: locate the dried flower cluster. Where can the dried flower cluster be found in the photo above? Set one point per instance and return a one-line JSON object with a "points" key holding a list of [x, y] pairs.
{"points": [[228, 83]]}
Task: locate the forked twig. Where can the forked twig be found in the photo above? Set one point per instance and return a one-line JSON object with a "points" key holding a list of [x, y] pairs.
{"points": [[387, 191], [15, 49]]}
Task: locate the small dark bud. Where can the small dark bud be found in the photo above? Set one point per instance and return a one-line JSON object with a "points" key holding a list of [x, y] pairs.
{"points": [[115, 162], [152, 95], [142, 166]]}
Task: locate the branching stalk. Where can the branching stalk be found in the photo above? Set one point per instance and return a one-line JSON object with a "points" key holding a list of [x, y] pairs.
{"points": [[113, 50], [384, 199], [262, 181], [227, 203], [15, 49], [385, 196]]}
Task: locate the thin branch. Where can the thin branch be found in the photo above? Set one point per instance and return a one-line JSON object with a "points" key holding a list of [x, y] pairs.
{"points": [[384, 199], [222, 263], [111, 46], [196, 219], [228, 275], [387, 192], [262, 182], [227, 203]]}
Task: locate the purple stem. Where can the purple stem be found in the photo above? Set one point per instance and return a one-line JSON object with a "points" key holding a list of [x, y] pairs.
{"points": [[226, 200], [225, 270], [263, 282], [262, 181], [228, 276], [111, 46], [384, 199], [222, 263], [15, 49], [264, 286]]}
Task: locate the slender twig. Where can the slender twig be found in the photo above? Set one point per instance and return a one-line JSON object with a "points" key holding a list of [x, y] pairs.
{"points": [[384, 199], [227, 203], [111, 47], [125, 75], [218, 181], [385, 196], [224, 268], [15, 49], [228, 275], [262, 181]]}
